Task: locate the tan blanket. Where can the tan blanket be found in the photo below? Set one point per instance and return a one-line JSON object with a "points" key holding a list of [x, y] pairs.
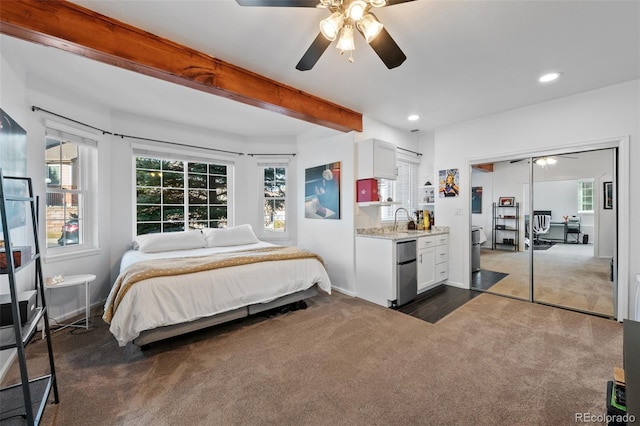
{"points": [[188, 265]]}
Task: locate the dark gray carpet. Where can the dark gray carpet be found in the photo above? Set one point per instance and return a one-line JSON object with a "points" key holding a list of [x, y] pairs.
{"points": [[344, 361]]}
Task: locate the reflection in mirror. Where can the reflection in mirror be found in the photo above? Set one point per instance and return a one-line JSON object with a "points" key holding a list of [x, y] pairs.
{"points": [[499, 261], [572, 260]]}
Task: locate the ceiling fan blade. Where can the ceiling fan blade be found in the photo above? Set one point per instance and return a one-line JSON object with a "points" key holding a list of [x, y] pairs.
{"points": [[313, 53], [279, 3], [387, 49], [394, 2]]}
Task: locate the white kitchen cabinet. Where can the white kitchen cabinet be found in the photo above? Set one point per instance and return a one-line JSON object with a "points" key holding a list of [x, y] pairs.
{"points": [[376, 159], [433, 254]]}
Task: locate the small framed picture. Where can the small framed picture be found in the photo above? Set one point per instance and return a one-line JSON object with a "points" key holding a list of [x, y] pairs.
{"points": [[608, 195], [506, 201]]}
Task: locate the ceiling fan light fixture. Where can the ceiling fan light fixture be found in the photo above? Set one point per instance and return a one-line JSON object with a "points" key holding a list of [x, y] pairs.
{"points": [[551, 160], [378, 3], [369, 26], [356, 9], [346, 42], [541, 162], [330, 27]]}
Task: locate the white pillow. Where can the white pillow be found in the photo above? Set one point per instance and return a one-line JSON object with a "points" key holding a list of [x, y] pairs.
{"points": [[153, 243], [234, 236]]}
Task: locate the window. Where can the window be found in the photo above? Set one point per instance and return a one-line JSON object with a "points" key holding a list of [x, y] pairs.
{"points": [[175, 195], [403, 190], [70, 174], [275, 201], [585, 195]]}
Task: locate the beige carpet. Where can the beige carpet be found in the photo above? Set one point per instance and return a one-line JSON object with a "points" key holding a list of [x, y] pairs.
{"points": [[565, 275], [344, 361]]}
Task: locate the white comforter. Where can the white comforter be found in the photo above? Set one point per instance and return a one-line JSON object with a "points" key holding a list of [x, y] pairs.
{"points": [[168, 300]]}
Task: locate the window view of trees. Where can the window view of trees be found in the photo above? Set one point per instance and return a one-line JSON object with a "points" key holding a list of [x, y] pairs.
{"points": [[275, 182], [63, 194], [174, 195]]}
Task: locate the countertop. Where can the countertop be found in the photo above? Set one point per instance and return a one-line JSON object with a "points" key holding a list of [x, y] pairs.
{"points": [[401, 235]]}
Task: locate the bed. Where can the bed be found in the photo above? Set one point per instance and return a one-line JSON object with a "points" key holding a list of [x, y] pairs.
{"points": [[175, 283]]}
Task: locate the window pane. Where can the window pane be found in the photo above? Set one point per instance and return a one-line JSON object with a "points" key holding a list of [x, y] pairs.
{"points": [[148, 163], [172, 227], [148, 228], [172, 180], [218, 197], [173, 214], [173, 196], [198, 196], [198, 214], [216, 169], [197, 181], [148, 213], [198, 167], [217, 212], [177, 166], [148, 178], [148, 196]]}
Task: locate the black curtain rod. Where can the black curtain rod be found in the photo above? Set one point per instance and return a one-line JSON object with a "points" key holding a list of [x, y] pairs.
{"points": [[251, 155], [413, 152], [175, 143], [104, 132]]}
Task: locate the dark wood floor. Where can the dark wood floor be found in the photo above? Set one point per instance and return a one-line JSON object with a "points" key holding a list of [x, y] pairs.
{"points": [[484, 279], [438, 302]]}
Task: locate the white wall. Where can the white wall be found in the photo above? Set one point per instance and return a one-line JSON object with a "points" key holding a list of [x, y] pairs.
{"points": [[331, 239], [599, 115], [12, 101]]}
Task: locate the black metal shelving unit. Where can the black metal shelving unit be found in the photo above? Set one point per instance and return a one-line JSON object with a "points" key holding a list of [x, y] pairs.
{"points": [[23, 402], [506, 227]]}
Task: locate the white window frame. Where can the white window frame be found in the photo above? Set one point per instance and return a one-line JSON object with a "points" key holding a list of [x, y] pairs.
{"points": [[185, 154], [387, 213], [262, 232], [87, 190], [580, 196]]}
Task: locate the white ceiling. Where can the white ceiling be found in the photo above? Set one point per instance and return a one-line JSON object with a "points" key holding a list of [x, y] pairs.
{"points": [[466, 59]]}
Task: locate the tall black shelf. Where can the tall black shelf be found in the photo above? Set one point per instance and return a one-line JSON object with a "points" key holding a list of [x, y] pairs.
{"points": [[506, 227], [23, 402]]}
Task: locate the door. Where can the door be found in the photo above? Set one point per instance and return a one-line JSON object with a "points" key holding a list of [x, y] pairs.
{"points": [[572, 258], [570, 265]]}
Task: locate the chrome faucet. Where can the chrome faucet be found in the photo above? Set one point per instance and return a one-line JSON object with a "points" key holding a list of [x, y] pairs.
{"points": [[395, 217]]}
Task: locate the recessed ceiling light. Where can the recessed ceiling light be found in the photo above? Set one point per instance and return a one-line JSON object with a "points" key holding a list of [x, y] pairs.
{"points": [[549, 77], [413, 117]]}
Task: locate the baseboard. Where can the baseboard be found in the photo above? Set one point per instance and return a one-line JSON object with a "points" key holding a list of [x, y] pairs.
{"points": [[454, 284], [343, 291], [12, 354]]}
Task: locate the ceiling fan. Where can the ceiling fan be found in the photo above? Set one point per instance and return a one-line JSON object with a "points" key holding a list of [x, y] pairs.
{"points": [[345, 16]]}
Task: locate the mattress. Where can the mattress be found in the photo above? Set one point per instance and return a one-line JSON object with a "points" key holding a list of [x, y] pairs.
{"points": [[169, 300]]}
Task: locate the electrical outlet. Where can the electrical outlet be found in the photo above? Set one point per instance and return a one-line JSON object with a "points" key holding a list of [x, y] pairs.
{"points": [[458, 212]]}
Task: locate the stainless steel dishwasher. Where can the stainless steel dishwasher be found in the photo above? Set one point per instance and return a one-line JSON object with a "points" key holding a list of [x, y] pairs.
{"points": [[406, 272]]}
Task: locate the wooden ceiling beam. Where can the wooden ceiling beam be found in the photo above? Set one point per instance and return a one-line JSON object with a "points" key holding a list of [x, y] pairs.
{"points": [[486, 167], [75, 29]]}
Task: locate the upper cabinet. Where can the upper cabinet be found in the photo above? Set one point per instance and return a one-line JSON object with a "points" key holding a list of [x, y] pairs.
{"points": [[376, 159]]}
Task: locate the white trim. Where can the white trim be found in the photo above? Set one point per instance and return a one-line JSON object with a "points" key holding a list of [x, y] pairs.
{"points": [[70, 131], [67, 255], [192, 154]]}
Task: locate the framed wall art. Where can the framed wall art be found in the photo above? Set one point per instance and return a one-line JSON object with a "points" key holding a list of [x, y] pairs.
{"points": [[322, 192], [608, 195], [506, 201], [449, 183]]}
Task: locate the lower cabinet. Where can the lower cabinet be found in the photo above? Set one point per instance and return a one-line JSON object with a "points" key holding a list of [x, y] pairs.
{"points": [[376, 270], [433, 266]]}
